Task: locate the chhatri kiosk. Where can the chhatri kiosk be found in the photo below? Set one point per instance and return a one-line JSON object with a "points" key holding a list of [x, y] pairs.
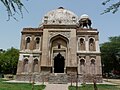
{"points": [[63, 47]]}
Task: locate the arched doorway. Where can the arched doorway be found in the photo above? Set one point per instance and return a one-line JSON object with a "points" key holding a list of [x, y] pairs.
{"points": [[59, 63]]}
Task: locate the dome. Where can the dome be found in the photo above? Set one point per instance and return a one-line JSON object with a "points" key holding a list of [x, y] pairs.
{"points": [[60, 16], [84, 16]]}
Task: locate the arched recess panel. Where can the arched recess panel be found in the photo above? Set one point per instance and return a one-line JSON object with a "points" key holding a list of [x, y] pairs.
{"points": [[25, 65], [82, 66], [35, 65]]}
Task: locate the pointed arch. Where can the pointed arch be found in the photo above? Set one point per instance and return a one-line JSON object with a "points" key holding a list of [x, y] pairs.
{"points": [[59, 36], [92, 65], [25, 65], [35, 65], [82, 66], [91, 44], [59, 63], [59, 41], [82, 44], [37, 43], [27, 42]]}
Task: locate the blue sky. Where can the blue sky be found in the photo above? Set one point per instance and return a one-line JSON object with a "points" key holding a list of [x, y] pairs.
{"points": [[10, 31]]}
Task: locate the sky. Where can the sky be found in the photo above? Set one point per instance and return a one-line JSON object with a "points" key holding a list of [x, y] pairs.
{"points": [[10, 31]]}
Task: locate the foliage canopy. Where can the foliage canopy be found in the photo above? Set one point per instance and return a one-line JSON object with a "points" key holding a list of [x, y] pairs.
{"points": [[9, 60], [110, 55]]}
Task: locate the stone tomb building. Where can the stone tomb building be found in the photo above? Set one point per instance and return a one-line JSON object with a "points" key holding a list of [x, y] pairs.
{"points": [[63, 47]]}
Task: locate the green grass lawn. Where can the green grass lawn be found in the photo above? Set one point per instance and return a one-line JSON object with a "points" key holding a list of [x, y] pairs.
{"points": [[100, 87], [28, 86], [19, 86]]}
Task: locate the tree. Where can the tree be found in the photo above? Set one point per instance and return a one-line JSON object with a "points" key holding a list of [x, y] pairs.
{"points": [[8, 60], [113, 8], [109, 51], [13, 7]]}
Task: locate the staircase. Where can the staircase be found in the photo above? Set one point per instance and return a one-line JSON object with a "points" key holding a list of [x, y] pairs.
{"points": [[58, 78]]}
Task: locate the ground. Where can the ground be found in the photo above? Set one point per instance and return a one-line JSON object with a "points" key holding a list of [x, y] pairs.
{"points": [[108, 84], [19, 86]]}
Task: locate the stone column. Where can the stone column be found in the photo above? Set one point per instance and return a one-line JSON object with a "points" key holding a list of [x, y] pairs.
{"points": [[78, 64], [23, 43], [45, 50], [30, 65], [73, 49], [32, 43], [39, 64], [97, 43], [87, 65], [41, 40], [78, 46], [20, 67], [20, 64], [99, 66], [86, 44], [97, 46]]}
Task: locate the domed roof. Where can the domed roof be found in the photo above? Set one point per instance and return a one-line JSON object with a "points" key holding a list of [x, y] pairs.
{"points": [[84, 16], [60, 16]]}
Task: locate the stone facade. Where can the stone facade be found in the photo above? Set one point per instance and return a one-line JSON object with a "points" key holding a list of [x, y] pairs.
{"points": [[61, 47]]}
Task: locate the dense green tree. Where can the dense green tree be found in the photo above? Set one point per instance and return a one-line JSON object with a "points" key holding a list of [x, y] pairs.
{"points": [[8, 60], [110, 53]]}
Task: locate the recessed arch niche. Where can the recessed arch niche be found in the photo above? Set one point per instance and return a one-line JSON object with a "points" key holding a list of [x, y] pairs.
{"points": [[58, 46]]}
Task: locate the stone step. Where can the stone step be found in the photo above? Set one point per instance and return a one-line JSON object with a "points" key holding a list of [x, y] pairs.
{"points": [[56, 87], [58, 79]]}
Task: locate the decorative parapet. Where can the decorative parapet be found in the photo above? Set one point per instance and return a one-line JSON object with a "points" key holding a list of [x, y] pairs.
{"points": [[31, 30]]}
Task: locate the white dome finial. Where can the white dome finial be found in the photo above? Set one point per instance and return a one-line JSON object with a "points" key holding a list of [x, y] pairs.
{"points": [[85, 22], [84, 16]]}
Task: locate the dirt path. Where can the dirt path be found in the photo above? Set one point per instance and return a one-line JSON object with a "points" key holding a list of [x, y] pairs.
{"points": [[114, 81], [56, 87]]}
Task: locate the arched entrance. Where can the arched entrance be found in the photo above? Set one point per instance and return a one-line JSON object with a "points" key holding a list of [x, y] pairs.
{"points": [[59, 63], [59, 53]]}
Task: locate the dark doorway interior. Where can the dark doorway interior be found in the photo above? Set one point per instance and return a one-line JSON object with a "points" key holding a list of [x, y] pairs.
{"points": [[59, 63]]}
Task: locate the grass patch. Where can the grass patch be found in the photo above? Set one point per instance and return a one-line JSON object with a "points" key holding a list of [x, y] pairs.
{"points": [[19, 86], [100, 87]]}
